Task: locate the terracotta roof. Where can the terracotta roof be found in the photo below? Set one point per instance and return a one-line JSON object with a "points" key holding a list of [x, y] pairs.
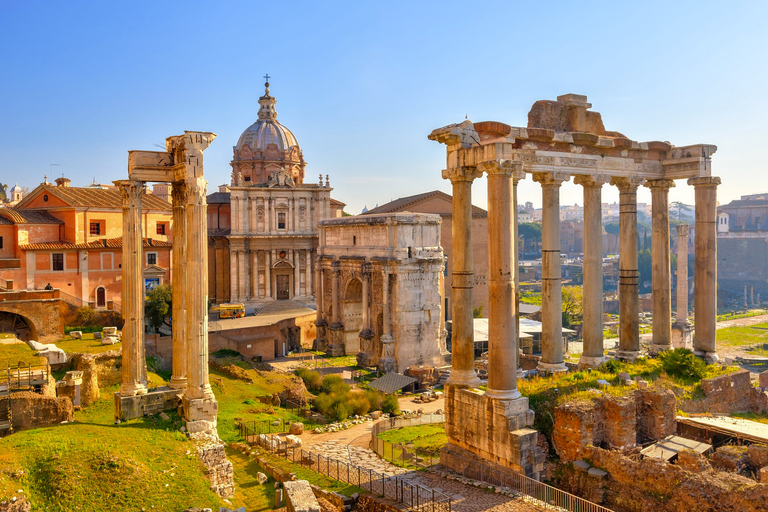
{"points": [[29, 216], [103, 198], [403, 204], [104, 243]]}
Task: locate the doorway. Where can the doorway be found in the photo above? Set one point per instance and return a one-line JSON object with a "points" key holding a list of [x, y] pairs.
{"points": [[282, 283], [101, 297]]}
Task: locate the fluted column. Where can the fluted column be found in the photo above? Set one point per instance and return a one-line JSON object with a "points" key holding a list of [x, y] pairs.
{"points": [[592, 331], [254, 274], [309, 270], [662, 286], [134, 362], [502, 328], [268, 272], [241, 280], [629, 300], [551, 286], [705, 267], [336, 343], [178, 288], [232, 273], [296, 273], [387, 362], [462, 275], [516, 177]]}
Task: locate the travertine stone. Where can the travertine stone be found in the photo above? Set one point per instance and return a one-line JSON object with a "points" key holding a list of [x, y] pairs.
{"points": [[682, 331], [502, 327], [629, 305], [178, 282], [662, 293], [705, 269], [134, 363], [463, 353], [551, 286], [592, 332]]}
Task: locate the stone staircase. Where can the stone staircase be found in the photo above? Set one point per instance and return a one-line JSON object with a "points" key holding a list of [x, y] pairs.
{"points": [[445, 373]]}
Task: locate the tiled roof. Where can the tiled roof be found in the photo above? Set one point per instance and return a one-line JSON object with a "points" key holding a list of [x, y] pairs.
{"points": [[105, 243], [391, 382], [335, 202], [402, 204], [218, 198], [103, 198], [29, 216]]}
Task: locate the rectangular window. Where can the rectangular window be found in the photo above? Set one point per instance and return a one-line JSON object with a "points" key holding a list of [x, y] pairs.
{"points": [[151, 258], [161, 228], [280, 221], [95, 228], [57, 261]]}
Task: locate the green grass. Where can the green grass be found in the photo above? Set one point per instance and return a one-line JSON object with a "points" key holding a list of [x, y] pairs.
{"points": [[739, 336], [249, 492], [423, 437], [736, 316], [303, 473], [87, 345], [531, 298], [15, 353]]}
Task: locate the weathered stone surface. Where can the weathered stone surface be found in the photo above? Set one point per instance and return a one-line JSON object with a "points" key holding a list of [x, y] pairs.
{"points": [[757, 455], [299, 497], [261, 477], [573, 429], [763, 379], [730, 458], [76, 335], [32, 410], [762, 475], [296, 429], [428, 375], [619, 425], [693, 461], [727, 394], [656, 414]]}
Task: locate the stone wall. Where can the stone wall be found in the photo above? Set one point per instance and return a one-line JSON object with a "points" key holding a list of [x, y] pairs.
{"points": [[635, 485], [727, 394], [656, 414], [30, 410], [574, 429], [99, 370], [211, 452], [491, 430], [369, 503]]}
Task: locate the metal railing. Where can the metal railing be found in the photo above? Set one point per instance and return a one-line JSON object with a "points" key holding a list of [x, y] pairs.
{"points": [[399, 489], [551, 498], [25, 377], [399, 454]]}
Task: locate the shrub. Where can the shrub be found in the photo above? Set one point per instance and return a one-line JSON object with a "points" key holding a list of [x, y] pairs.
{"points": [[610, 366], [374, 399], [389, 404], [335, 384], [682, 363], [323, 403], [85, 316], [340, 411], [359, 405], [311, 378]]}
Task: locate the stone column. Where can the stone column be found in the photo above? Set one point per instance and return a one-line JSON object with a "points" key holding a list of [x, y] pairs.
{"points": [[592, 332], [178, 288], [268, 272], [681, 329], [336, 343], [255, 274], [705, 267], [309, 271], [232, 273], [241, 280], [296, 273], [502, 329], [629, 305], [366, 356], [387, 362], [551, 286], [515, 178], [199, 404], [462, 275], [134, 361], [662, 291], [321, 342]]}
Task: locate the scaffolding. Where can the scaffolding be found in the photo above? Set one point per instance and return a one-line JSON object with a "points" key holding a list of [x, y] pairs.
{"points": [[19, 378]]}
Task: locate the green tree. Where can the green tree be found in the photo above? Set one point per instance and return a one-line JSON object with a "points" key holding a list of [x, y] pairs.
{"points": [[529, 231], [573, 301], [644, 266], [3, 195], [157, 307]]}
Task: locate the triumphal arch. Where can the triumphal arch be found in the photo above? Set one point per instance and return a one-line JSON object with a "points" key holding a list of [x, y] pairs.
{"points": [[562, 139], [182, 166]]}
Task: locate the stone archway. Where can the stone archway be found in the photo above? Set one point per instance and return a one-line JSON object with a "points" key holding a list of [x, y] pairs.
{"points": [[352, 315], [21, 327]]}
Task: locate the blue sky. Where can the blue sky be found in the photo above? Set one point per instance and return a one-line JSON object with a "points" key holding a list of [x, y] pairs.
{"points": [[362, 84]]}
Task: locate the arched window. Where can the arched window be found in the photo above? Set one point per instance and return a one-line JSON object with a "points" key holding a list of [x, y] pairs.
{"points": [[101, 297]]}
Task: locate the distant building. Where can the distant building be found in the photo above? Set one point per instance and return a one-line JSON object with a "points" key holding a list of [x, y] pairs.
{"points": [[742, 247]]}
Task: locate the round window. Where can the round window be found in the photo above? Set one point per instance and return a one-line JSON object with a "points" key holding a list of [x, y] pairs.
{"points": [[282, 255], [45, 198]]}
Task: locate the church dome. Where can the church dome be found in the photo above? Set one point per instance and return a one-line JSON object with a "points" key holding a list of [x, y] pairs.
{"points": [[267, 130]]}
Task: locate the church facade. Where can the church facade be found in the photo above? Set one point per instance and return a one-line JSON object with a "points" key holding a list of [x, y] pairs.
{"points": [[263, 227]]}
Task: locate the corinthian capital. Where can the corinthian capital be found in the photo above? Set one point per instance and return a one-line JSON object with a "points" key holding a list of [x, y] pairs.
{"points": [[627, 184], [704, 181], [501, 167], [179, 193], [456, 174], [555, 178], [196, 189], [591, 180], [662, 184], [131, 192]]}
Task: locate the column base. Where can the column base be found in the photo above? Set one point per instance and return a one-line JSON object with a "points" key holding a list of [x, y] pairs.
{"points": [[503, 394], [520, 373], [551, 367], [178, 383], [335, 349], [320, 344], [591, 361], [658, 349], [628, 355], [387, 365], [463, 378], [200, 414], [709, 357], [365, 359], [682, 336], [139, 388]]}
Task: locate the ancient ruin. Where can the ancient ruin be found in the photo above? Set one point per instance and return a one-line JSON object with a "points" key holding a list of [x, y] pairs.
{"points": [[380, 280], [562, 139]]}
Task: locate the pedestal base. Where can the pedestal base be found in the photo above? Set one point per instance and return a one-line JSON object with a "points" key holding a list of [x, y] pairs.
{"points": [[335, 349], [709, 357], [132, 407], [365, 359], [682, 336], [200, 414], [658, 349], [387, 365], [503, 394], [139, 388], [551, 367], [591, 361], [628, 355], [178, 383], [320, 344], [463, 378]]}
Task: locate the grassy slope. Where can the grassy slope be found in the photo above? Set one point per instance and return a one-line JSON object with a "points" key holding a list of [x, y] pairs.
{"points": [[87, 345], [425, 437], [738, 336], [15, 353]]}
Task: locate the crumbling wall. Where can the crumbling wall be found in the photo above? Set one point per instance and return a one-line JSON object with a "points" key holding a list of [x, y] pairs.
{"points": [[32, 410], [619, 421], [656, 414], [727, 394], [211, 452], [574, 429], [99, 370]]}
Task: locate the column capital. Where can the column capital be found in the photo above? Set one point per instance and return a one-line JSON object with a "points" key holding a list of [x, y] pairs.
{"points": [[336, 266], [683, 229], [591, 180], [196, 190], [461, 174], [661, 184], [555, 178], [179, 192], [704, 181], [131, 192], [501, 167], [627, 184]]}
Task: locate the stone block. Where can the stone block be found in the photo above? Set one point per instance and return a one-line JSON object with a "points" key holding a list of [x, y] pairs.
{"points": [[581, 465], [603, 383], [762, 475], [110, 340], [261, 477], [299, 497], [763, 379], [642, 384], [620, 417], [97, 335], [623, 376], [730, 458], [76, 335], [296, 428], [130, 407], [692, 461], [656, 413], [109, 331], [597, 473], [757, 455]]}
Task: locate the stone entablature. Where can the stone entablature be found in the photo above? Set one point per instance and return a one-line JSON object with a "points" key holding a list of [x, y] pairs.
{"points": [[380, 279]]}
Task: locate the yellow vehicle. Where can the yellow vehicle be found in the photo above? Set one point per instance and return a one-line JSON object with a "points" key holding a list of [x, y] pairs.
{"points": [[230, 310]]}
